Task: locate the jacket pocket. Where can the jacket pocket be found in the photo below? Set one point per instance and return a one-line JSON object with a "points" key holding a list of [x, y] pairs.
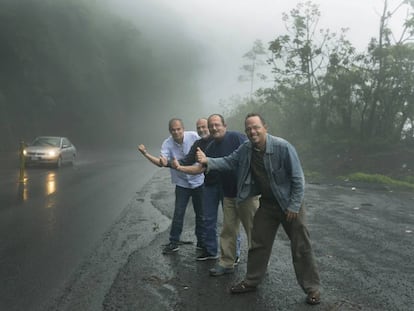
{"points": [[279, 176]]}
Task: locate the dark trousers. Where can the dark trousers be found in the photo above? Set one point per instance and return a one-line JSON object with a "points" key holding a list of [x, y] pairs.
{"points": [[182, 197], [265, 225], [212, 197]]}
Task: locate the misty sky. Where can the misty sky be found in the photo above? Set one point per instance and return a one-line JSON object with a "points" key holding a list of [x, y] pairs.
{"points": [[225, 29]]}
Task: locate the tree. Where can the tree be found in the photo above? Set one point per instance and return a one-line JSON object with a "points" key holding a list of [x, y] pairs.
{"points": [[254, 60], [388, 92], [325, 89], [299, 62], [66, 63], [330, 89]]}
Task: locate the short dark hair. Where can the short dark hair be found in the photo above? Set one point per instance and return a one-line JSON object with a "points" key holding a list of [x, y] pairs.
{"points": [[217, 115], [175, 120], [254, 114]]}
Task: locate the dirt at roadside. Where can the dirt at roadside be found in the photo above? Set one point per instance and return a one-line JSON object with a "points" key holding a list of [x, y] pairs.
{"points": [[363, 243]]}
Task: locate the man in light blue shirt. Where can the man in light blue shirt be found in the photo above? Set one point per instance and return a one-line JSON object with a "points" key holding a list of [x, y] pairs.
{"points": [[176, 147]]}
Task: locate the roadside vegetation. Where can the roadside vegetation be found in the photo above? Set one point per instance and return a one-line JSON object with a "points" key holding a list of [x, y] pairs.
{"points": [[325, 90], [380, 179], [76, 68], [345, 110]]}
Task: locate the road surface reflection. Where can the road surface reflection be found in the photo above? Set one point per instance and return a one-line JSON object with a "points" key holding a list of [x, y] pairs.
{"points": [[28, 188]]}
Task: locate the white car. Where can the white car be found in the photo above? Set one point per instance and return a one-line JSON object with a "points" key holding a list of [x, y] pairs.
{"points": [[50, 150]]}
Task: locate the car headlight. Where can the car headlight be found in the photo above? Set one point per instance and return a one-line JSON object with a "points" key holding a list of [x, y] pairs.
{"points": [[24, 152], [52, 153]]}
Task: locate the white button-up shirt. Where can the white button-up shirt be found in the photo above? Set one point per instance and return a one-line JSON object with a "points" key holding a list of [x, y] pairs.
{"points": [[170, 149]]}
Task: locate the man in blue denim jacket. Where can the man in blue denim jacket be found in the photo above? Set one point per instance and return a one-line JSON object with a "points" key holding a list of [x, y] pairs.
{"points": [[269, 166]]}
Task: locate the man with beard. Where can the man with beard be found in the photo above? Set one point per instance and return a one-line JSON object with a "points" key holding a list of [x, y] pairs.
{"points": [[224, 143]]}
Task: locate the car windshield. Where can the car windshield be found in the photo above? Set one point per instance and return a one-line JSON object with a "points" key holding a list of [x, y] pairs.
{"points": [[47, 141]]}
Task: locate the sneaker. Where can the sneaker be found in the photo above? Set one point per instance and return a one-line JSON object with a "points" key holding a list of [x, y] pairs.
{"points": [[236, 261], [206, 256], [219, 270], [170, 248]]}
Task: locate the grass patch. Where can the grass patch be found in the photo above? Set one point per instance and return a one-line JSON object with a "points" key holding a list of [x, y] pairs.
{"points": [[409, 179], [313, 176], [381, 179]]}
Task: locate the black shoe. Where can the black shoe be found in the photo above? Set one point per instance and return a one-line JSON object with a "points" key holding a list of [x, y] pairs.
{"points": [[236, 261], [206, 256], [313, 298], [242, 288], [170, 248]]}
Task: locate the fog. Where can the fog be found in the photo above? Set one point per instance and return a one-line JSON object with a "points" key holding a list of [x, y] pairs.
{"points": [[71, 68], [224, 31]]}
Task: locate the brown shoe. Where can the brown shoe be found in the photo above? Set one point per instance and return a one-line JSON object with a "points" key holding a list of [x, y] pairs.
{"points": [[241, 288], [313, 298]]}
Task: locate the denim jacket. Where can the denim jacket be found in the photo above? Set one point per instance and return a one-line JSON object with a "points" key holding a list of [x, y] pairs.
{"points": [[283, 169]]}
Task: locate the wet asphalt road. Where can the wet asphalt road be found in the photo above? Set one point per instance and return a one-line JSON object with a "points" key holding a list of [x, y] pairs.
{"points": [[363, 243], [49, 223], [362, 237]]}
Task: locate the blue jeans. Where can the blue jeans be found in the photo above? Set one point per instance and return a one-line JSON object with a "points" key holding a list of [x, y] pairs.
{"points": [[213, 196], [182, 197]]}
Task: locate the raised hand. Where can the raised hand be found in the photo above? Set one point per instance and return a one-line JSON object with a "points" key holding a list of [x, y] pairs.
{"points": [[142, 149], [201, 156]]}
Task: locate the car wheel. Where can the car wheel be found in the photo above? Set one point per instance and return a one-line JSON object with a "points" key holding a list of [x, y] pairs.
{"points": [[72, 162], [59, 162]]}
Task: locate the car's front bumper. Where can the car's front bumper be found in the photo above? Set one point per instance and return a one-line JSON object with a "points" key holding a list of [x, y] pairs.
{"points": [[40, 159]]}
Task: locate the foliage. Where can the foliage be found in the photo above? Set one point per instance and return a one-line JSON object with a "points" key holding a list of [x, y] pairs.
{"points": [[74, 68], [254, 60], [379, 179], [325, 89]]}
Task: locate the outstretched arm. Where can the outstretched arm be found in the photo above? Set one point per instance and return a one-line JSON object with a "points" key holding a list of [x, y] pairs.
{"points": [[191, 169], [158, 161]]}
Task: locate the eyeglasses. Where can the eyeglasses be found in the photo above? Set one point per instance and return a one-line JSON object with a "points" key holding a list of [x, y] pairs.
{"points": [[253, 128]]}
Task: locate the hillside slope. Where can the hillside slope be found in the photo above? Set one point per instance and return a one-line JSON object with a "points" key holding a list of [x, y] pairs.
{"points": [[73, 68]]}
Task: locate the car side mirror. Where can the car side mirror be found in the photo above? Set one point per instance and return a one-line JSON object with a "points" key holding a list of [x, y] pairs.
{"points": [[65, 146]]}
